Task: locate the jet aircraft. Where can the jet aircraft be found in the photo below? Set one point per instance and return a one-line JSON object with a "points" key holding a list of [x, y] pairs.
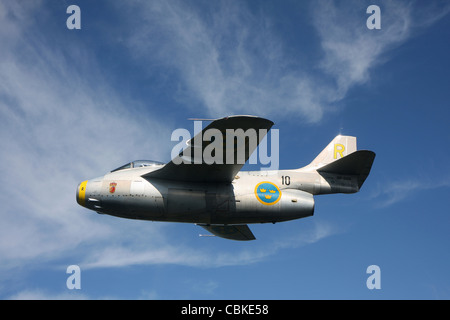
{"points": [[216, 195]]}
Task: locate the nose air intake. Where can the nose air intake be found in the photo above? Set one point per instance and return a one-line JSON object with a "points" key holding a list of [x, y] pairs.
{"points": [[81, 193]]}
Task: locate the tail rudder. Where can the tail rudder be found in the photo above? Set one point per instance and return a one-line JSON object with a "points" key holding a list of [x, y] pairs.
{"points": [[341, 167]]}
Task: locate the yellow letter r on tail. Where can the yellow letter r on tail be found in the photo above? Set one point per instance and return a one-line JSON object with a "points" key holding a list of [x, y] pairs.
{"points": [[340, 150]]}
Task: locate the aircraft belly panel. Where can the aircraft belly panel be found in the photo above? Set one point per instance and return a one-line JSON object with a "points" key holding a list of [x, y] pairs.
{"points": [[186, 205]]}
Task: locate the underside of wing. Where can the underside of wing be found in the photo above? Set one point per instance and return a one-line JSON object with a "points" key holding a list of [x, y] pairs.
{"points": [[233, 232], [218, 152]]}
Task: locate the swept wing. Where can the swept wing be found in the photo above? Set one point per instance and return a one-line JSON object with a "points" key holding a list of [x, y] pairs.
{"points": [[193, 164]]}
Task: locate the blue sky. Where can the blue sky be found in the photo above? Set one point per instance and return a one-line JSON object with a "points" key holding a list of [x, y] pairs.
{"points": [[75, 104]]}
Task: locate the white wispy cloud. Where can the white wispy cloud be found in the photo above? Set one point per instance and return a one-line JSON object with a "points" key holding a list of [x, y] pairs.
{"points": [[395, 191], [38, 294], [58, 126], [230, 60], [148, 251], [350, 49]]}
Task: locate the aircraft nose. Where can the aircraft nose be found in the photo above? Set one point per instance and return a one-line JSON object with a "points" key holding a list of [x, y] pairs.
{"points": [[81, 193]]}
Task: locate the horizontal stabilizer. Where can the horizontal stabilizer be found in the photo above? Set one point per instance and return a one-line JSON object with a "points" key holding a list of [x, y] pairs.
{"points": [[233, 232], [357, 163]]}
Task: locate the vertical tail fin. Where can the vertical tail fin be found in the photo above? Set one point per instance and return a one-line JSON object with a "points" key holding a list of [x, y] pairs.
{"points": [[338, 148], [341, 168]]}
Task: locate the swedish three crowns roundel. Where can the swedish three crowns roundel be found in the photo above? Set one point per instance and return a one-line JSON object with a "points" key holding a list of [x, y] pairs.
{"points": [[267, 193]]}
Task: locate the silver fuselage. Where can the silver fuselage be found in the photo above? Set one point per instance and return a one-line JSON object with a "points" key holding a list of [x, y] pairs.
{"points": [[127, 194]]}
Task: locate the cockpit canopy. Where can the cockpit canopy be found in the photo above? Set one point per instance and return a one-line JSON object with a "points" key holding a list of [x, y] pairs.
{"points": [[139, 164]]}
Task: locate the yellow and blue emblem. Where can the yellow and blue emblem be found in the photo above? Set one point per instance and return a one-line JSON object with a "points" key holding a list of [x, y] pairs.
{"points": [[267, 193]]}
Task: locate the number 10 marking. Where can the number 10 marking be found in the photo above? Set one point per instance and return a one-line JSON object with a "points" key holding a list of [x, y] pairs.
{"points": [[286, 180]]}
